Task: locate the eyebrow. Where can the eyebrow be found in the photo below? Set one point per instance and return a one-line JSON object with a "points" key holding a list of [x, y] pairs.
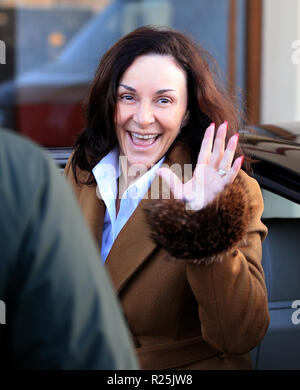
{"points": [[157, 92]]}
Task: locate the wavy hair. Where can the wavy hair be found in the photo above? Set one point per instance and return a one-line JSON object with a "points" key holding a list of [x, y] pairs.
{"points": [[208, 99]]}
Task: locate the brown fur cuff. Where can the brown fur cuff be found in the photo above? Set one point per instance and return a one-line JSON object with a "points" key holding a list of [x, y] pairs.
{"points": [[203, 236]]}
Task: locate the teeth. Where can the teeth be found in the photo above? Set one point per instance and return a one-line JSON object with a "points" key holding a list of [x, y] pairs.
{"points": [[147, 136]]}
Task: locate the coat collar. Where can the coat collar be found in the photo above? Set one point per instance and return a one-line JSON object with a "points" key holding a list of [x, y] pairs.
{"points": [[133, 245]]}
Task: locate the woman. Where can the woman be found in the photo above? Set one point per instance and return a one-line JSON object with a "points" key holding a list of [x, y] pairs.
{"points": [[186, 263]]}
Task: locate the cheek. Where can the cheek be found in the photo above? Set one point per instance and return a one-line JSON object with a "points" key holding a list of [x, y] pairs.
{"points": [[123, 114], [172, 125], [120, 120]]}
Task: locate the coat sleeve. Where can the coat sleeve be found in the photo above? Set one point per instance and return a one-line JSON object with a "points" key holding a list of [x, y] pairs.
{"points": [[222, 247], [62, 310]]}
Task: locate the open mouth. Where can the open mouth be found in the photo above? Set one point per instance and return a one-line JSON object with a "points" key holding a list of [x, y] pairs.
{"points": [[145, 140]]}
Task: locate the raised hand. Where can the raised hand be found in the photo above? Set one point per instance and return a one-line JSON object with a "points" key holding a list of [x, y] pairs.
{"points": [[214, 170]]}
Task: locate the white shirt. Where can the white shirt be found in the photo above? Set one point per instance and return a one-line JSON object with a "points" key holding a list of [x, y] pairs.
{"points": [[106, 174]]}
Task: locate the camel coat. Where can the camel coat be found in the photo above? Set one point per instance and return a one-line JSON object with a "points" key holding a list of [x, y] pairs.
{"points": [[191, 284]]}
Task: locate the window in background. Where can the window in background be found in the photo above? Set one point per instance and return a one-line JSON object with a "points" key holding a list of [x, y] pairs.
{"points": [[54, 48]]}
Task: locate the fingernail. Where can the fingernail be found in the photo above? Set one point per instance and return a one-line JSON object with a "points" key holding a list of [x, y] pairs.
{"points": [[242, 160], [226, 124], [210, 130], [237, 136]]}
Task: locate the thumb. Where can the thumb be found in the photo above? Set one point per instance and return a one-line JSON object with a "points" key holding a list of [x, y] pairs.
{"points": [[173, 182]]}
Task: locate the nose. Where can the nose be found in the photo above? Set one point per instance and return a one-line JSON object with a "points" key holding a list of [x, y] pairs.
{"points": [[143, 115]]}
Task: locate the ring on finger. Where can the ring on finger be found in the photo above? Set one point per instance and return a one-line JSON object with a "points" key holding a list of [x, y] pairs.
{"points": [[221, 172]]}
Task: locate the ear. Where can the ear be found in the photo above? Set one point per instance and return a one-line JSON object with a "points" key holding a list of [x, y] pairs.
{"points": [[185, 118]]}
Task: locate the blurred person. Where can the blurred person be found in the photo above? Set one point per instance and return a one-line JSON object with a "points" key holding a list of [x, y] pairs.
{"points": [[60, 309], [186, 264]]}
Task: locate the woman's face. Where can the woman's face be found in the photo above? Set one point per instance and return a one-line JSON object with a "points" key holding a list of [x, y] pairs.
{"points": [[151, 107]]}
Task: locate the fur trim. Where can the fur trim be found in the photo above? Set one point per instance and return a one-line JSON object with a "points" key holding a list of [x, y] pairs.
{"points": [[204, 236]]}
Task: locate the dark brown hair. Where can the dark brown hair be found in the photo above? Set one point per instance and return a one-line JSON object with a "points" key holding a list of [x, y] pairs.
{"points": [[208, 100]]}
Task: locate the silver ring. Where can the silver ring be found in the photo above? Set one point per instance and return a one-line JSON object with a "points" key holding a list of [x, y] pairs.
{"points": [[221, 172]]}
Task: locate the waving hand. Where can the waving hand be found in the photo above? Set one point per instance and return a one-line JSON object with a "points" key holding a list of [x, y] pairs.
{"points": [[214, 170]]}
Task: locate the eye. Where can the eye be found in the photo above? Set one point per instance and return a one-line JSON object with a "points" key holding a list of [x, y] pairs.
{"points": [[126, 97], [164, 100]]}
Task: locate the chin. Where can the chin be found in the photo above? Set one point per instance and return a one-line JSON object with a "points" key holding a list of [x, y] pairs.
{"points": [[141, 160], [143, 163]]}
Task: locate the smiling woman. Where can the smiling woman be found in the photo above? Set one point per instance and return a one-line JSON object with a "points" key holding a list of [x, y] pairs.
{"points": [[150, 110], [155, 105]]}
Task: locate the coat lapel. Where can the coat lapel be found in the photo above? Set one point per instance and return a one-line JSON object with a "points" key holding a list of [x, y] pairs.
{"points": [[133, 246], [89, 199]]}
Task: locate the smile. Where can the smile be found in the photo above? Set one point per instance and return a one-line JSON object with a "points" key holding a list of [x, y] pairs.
{"points": [[144, 141], [146, 136]]}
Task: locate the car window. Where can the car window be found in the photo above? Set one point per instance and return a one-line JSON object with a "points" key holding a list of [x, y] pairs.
{"points": [[278, 207], [279, 349]]}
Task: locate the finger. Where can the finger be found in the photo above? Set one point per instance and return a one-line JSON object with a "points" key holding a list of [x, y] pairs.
{"points": [[219, 145], [234, 170], [174, 183], [228, 156], [206, 145]]}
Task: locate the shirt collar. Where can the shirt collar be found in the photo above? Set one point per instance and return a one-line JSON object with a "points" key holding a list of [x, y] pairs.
{"points": [[107, 172], [138, 188]]}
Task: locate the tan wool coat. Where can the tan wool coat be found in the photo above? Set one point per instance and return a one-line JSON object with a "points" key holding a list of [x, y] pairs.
{"points": [[191, 284]]}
